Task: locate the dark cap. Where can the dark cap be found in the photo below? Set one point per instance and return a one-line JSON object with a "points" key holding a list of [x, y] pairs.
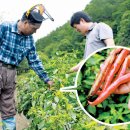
{"points": [[35, 14]]}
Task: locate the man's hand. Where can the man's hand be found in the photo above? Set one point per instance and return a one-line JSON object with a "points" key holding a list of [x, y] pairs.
{"points": [[76, 68], [129, 104], [123, 89], [50, 83]]}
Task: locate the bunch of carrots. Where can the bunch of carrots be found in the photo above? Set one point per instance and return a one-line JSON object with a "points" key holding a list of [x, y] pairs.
{"points": [[114, 76]]}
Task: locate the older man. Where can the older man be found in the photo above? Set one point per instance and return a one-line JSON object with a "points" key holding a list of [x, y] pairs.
{"points": [[16, 42]]}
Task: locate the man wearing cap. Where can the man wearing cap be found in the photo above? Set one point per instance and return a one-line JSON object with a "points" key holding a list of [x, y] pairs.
{"points": [[16, 42], [98, 35]]}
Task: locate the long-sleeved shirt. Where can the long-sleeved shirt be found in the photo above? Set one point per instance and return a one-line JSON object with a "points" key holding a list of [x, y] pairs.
{"points": [[14, 47]]}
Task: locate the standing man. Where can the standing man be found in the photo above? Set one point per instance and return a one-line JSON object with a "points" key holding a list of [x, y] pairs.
{"points": [[16, 42], [98, 35]]}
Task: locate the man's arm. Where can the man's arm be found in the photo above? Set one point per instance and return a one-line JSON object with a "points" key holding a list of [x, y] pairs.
{"points": [[109, 42], [76, 68], [36, 64]]}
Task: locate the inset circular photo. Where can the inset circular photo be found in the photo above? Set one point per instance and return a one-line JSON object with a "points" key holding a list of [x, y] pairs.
{"points": [[103, 85]]}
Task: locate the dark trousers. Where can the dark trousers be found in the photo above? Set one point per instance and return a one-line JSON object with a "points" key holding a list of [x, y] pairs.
{"points": [[7, 88]]}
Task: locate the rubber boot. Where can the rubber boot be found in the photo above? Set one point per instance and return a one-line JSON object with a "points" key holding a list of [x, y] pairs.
{"points": [[9, 124]]}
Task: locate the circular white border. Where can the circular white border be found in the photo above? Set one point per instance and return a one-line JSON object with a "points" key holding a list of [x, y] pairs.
{"points": [[71, 88]]}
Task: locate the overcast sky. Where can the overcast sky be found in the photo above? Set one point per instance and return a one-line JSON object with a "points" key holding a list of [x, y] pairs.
{"points": [[60, 10]]}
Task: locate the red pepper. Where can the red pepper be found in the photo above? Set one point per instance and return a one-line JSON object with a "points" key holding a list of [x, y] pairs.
{"points": [[123, 67], [115, 68], [109, 90], [124, 88], [104, 71]]}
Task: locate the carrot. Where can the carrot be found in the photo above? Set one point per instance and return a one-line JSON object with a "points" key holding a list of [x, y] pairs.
{"points": [[109, 90], [115, 68], [104, 70], [123, 68]]}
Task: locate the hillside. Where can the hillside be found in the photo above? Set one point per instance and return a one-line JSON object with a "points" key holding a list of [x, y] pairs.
{"points": [[116, 13]]}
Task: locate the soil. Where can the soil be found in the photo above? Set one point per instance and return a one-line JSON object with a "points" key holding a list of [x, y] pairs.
{"points": [[22, 122]]}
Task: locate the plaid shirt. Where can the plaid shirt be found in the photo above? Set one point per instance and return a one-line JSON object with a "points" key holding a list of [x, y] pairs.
{"points": [[14, 47]]}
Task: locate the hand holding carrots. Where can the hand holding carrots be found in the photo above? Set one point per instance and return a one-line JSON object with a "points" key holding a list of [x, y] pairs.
{"points": [[129, 104], [113, 77]]}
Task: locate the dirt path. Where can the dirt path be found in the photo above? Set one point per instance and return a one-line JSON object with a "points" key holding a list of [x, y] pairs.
{"points": [[21, 122]]}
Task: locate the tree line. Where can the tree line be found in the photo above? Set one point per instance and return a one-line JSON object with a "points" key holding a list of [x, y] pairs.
{"points": [[116, 13]]}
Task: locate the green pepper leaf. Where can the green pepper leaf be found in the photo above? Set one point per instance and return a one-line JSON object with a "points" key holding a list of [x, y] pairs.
{"points": [[92, 109]]}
